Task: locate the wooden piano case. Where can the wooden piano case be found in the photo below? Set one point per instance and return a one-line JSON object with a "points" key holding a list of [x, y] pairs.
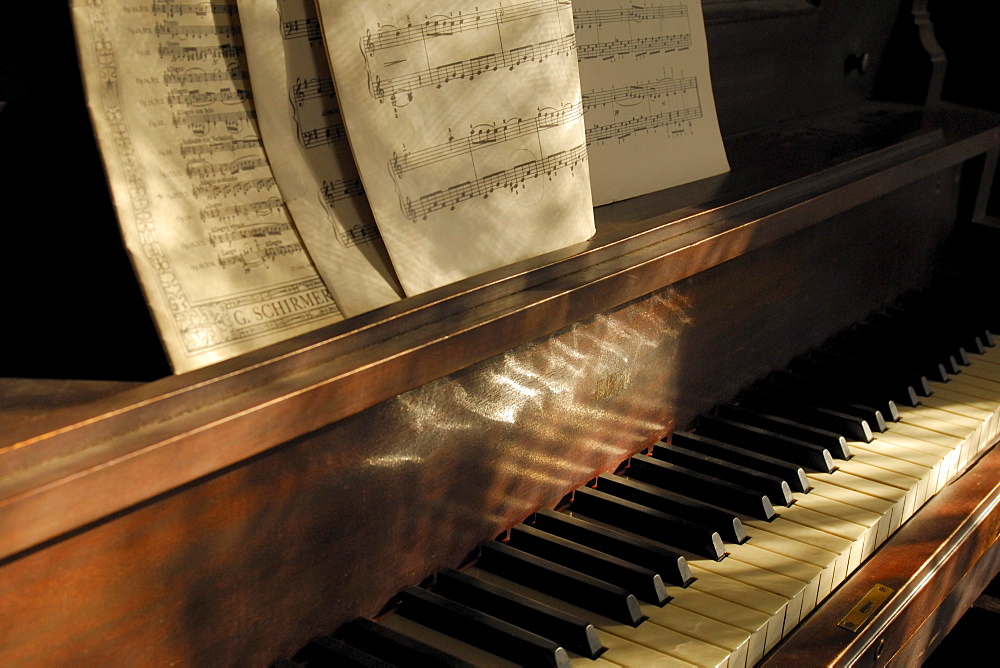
{"points": [[226, 515]]}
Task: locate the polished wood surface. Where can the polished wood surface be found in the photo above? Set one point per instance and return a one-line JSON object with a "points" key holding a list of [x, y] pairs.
{"points": [[226, 515]]}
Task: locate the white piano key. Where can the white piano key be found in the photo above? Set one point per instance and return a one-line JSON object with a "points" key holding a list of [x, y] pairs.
{"points": [[839, 547], [868, 502], [781, 564], [848, 513], [733, 640], [823, 559], [947, 456], [934, 462], [788, 588], [958, 392], [753, 622], [935, 420], [854, 534], [956, 445], [874, 488], [888, 478], [737, 592], [921, 478]]}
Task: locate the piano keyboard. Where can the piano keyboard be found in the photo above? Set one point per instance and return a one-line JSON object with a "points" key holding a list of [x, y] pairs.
{"points": [[710, 548]]}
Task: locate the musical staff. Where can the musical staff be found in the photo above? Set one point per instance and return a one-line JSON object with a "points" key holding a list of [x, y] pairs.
{"points": [[389, 37], [639, 47], [201, 121], [308, 28], [234, 189], [625, 129], [470, 68], [175, 29], [197, 98], [176, 52], [630, 95], [334, 191], [171, 9], [322, 136], [222, 146], [177, 75], [242, 232], [203, 169], [251, 255], [314, 88], [596, 18], [485, 135], [265, 207], [359, 235], [509, 179]]}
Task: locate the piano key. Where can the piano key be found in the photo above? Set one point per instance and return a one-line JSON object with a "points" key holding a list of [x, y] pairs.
{"points": [[919, 478], [758, 612], [845, 385], [480, 630], [879, 367], [852, 533], [897, 386], [868, 520], [933, 462], [753, 622], [835, 443], [790, 473], [665, 644], [776, 489], [445, 643], [394, 647], [850, 426], [893, 495], [586, 591], [725, 523], [774, 445], [700, 486], [950, 397], [796, 388], [573, 633], [797, 581], [643, 583], [831, 572], [867, 502], [948, 456], [670, 564], [326, 650]]}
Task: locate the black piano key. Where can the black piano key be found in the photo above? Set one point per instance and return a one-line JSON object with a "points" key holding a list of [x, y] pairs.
{"points": [[724, 522], [924, 333], [673, 567], [895, 385], [869, 343], [775, 445], [850, 426], [329, 651], [776, 489], [563, 583], [845, 387], [480, 630], [393, 646], [880, 367], [751, 502], [832, 441], [643, 583], [787, 386], [648, 522], [571, 632], [790, 473]]}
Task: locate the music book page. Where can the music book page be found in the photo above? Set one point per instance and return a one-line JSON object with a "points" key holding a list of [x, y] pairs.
{"points": [[220, 263], [647, 96], [307, 147], [467, 127]]}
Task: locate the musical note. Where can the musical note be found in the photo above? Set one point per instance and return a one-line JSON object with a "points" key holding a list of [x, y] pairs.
{"points": [[265, 207], [484, 135], [174, 29], [177, 52], [177, 75], [171, 9], [510, 179], [197, 98], [234, 189]]}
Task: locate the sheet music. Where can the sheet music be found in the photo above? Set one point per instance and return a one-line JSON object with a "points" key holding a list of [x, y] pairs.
{"points": [[307, 146], [215, 250], [467, 126], [647, 96]]}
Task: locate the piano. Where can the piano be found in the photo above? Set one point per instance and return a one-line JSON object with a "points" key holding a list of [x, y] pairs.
{"points": [[235, 514]]}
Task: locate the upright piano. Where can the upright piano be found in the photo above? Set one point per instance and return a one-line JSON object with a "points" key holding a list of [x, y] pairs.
{"points": [[231, 514]]}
